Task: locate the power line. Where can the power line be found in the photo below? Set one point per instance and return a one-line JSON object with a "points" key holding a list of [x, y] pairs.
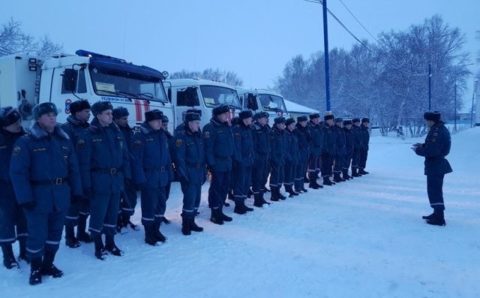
{"points": [[341, 23], [358, 21]]}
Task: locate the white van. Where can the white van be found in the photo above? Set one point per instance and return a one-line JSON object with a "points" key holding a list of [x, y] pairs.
{"points": [[203, 95], [262, 100], [26, 81]]}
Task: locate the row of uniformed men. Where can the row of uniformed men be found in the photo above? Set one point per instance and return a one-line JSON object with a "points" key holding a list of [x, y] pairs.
{"points": [[68, 172]]}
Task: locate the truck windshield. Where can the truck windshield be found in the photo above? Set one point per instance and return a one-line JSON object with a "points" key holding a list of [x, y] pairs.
{"points": [[216, 95], [272, 102], [127, 85]]}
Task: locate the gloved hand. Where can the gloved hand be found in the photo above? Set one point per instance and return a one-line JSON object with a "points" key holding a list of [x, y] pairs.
{"points": [[29, 205]]}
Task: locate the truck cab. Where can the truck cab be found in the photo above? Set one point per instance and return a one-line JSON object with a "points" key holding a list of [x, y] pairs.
{"points": [[200, 94], [65, 78], [262, 100]]}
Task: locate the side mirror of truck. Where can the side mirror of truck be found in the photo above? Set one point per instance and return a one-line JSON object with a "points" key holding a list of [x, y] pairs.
{"points": [[69, 80], [252, 102]]}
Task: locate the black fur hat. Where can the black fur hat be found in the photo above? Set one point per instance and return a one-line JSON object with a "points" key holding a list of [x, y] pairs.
{"points": [[432, 116], [221, 109], [153, 115], [44, 108], [120, 112], [100, 106], [8, 116], [79, 105]]}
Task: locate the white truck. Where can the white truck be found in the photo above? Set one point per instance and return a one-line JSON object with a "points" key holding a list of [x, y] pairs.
{"points": [[26, 81], [200, 94], [264, 100]]}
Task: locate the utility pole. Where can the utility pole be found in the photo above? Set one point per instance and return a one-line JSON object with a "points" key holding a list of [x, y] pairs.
{"points": [[455, 107], [473, 102], [429, 86], [327, 62]]}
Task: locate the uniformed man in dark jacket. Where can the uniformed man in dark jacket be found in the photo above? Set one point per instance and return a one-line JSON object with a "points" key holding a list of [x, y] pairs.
{"points": [[347, 127], [303, 136], [13, 225], [436, 147], [243, 160], [261, 144], [128, 199], [340, 150], [152, 172], [76, 127], [329, 149], [357, 146], [364, 149], [45, 177], [316, 147], [219, 152], [104, 165], [190, 164], [277, 160], [291, 157]]}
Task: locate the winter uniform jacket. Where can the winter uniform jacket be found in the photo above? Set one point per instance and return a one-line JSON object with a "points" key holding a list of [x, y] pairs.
{"points": [[436, 147]]}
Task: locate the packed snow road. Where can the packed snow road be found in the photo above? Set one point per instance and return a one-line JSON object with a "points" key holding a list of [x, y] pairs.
{"points": [[363, 238]]}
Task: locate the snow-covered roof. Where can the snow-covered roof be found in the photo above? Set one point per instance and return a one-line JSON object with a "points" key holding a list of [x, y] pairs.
{"points": [[293, 107]]}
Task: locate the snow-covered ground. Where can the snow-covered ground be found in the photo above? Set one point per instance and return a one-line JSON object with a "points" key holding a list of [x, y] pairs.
{"points": [[363, 238]]}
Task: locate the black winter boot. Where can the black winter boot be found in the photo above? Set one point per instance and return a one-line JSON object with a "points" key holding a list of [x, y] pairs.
{"points": [[82, 234], [35, 271], [111, 247], [216, 217], [290, 191], [70, 239], [186, 225], [345, 175], [150, 238], [240, 207], [9, 260], [224, 216], [355, 172], [429, 216], [193, 226], [337, 178], [363, 172], [438, 219], [47, 266], [326, 181], [275, 195], [100, 252], [160, 237], [259, 201]]}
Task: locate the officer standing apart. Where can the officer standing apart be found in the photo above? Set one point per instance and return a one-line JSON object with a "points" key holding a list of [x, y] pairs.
{"points": [[261, 145], [45, 177], [152, 173], [128, 200], [189, 158], [104, 165], [219, 151], [436, 147], [13, 225], [243, 161], [304, 139], [76, 127]]}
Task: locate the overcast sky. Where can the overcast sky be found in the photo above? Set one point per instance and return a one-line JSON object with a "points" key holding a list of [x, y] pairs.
{"points": [[254, 38]]}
